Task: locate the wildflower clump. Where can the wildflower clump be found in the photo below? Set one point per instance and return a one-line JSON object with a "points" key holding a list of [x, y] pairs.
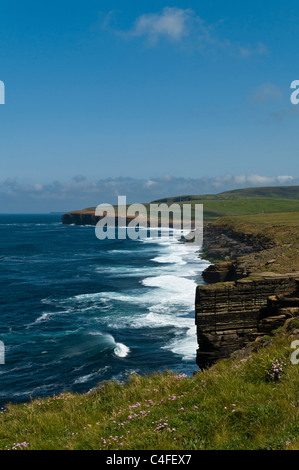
{"points": [[276, 370]]}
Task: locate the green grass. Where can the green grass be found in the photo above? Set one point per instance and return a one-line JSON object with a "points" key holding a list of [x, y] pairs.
{"points": [[237, 202], [280, 229], [285, 192], [216, 208], [288, 219], [233, 405]]}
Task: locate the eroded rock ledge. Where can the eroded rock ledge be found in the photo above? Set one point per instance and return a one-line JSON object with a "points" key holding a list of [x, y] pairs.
{"points": [[229, 315], [239, 303]]}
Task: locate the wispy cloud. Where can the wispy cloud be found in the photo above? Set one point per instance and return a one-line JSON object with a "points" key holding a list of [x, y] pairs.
{"points": [[251, 179], [267, 92], [172, 23], [81, 192], [258, 49], [182, 26]]}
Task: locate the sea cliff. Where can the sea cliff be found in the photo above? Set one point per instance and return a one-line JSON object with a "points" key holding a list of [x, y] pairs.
{"points": [[249, 294]]}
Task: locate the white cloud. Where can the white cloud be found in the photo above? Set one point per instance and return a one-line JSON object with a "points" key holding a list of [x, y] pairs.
{"points": [[251, 179], [81, 192], [177, 25], [171, 23], [149, 184]]}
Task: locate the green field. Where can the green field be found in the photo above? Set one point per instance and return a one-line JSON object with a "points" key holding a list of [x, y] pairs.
{"points": [[213, 209], [238, 202], [282, 192], [243, 201]]}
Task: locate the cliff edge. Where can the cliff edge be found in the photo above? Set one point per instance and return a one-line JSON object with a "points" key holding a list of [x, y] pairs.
{"points": [[252, 288]]}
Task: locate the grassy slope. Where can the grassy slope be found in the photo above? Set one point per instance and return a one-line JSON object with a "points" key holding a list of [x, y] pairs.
{"points": [[281, 228], [242, 201], [215, 208], [233, 405], [284, 192]]}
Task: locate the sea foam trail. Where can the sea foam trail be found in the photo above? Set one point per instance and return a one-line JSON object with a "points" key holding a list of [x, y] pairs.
{"points": [[175, 296], [168, 297]]}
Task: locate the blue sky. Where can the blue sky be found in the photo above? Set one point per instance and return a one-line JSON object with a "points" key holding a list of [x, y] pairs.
{"points": [[147, 99]]}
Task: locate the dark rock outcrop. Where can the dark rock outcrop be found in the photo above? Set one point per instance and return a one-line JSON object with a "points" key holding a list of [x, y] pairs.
{"points": [[231, 314], [88, 218], [241, 299], [227, 244], [220, 272], [80, 218]]}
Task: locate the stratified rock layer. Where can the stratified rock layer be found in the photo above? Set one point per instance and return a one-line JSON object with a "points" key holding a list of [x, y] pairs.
{"points": [[230, 314]]}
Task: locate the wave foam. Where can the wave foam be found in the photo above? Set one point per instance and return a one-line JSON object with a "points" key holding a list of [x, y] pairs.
{"points": [[121, 350]]}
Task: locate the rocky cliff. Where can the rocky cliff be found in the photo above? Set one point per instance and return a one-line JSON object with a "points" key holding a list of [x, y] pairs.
{"points": [[85, 217], [231, 314], [242, 299]]}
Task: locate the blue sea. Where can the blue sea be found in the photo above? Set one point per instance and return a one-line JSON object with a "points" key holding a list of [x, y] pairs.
{"points": [[76, 311]]}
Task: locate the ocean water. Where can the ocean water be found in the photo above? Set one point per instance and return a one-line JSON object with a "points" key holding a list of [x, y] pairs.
{"points": [[76, 310]]}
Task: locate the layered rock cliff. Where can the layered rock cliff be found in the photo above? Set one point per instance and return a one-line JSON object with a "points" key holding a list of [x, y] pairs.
{"points": [[242, 299], [231, 314], [85, 217]]}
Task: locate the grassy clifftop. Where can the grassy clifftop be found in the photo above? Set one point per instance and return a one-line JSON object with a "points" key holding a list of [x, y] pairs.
{"points": [[283, 192], [243, 201], [237, 202], [282, 231]]}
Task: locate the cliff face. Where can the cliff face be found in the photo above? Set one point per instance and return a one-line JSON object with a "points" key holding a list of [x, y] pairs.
{"points": [[86, 218], [242, 299], [237, 254], [80, 218], [229, 315]]}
